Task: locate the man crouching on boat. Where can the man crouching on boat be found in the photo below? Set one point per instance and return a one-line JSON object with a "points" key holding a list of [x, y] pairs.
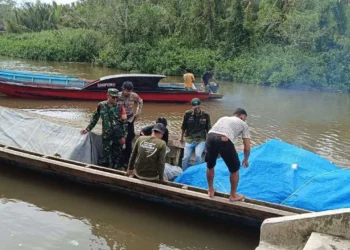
{"points": [[148, 156], [220, 141], [114, 130]]}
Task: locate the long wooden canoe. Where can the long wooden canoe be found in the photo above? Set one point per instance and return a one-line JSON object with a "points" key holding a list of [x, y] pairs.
{"points": [[191, 198]]}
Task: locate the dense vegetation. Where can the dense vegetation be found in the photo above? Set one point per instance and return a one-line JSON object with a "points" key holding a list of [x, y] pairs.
{"points": [[299, 43]]}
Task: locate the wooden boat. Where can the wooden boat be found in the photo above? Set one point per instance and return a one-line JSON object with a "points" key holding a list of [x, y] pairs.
{"points": [[40, 86], [249, 211]]}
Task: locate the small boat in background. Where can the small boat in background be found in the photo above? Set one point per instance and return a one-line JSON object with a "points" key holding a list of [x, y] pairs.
{"points": [[179, 85], [42, 86], [42, 79]]}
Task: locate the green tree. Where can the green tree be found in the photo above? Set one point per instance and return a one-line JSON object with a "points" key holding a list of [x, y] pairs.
{"points": [[34, 17]]}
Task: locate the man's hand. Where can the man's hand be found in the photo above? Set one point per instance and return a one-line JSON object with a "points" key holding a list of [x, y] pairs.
{"points": [[245, 163], [129, 172], [83, 131], [136, 117], [122, 141], [182, 140]]}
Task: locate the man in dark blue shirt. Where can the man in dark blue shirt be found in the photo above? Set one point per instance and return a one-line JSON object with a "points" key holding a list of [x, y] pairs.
{"points": [[206, 77]]}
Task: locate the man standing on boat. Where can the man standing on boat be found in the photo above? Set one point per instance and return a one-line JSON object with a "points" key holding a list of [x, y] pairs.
{"points": [[189, 80], [195, 126], [220, 141], [148, 156], [114, 131], [206, 77], [128, 98]]}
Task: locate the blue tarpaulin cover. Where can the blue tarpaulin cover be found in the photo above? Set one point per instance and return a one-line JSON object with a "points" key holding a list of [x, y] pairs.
{"points": [[282, 173]]}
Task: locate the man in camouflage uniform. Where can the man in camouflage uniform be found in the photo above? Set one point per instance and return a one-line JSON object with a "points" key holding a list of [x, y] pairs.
{"points": [[114, 129]]}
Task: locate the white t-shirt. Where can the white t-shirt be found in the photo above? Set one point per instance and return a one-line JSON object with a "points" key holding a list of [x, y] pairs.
{"points": [[232, 127]]}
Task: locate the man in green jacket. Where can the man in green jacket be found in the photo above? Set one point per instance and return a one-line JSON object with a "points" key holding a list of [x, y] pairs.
{"points": [[114, 130], [148, 156], [195, 126]]}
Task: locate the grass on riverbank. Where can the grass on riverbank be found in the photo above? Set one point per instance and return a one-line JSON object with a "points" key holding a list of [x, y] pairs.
{"points": [[280, 66], [78, 45]]}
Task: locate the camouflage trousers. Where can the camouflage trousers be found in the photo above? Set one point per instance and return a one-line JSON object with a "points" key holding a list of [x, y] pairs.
{"points": [[111, 153]]}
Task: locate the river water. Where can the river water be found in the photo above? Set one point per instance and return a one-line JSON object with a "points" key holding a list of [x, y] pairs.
{"points": [[39, 214]]}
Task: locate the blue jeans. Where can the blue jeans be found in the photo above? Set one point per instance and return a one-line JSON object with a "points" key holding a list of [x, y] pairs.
{"points": [[188, 149]]}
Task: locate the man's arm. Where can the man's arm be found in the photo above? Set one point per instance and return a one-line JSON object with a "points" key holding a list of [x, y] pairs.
{"points": [[246, 150], [124, 131], [131, 165], [161, 161], [183, 128], [139, 105], [94, 119]]}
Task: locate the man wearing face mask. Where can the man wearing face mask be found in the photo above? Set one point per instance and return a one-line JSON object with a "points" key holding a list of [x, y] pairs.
{"points": [[128, 99], [113, 129], [195, 126], [220, 141]]}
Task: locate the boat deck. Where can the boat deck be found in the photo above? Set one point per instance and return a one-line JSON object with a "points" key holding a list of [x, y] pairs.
{"points": [[190, 198]]}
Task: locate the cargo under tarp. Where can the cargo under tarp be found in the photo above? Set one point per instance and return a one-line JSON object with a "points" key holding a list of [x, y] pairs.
{"points": [[44, 137], [284, 174]]}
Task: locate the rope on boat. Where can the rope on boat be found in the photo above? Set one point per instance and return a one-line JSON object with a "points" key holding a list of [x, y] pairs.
{"points": [[12, 125], [32, 134], [2, 112], [44, 137], [216, 181], [302, 186], [72, 138]]}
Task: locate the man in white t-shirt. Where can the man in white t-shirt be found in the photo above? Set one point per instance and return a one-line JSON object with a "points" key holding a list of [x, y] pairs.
{"points": [[220, 141]]}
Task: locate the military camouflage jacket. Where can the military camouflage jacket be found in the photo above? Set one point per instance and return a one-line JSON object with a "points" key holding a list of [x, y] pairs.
{"points": [[111, 119]]}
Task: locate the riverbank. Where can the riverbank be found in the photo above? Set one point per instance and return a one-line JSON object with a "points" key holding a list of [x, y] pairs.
{"points": [[269, 65]]}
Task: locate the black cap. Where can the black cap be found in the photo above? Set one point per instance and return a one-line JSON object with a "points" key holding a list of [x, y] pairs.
{"points": [[159, 127], [128, 85]]}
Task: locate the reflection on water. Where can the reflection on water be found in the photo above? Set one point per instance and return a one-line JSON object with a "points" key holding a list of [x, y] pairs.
{"points": [[44, 213]]}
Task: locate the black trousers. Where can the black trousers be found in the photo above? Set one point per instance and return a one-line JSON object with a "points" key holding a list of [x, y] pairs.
{"points": [[128, 143], [226, 149]]}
